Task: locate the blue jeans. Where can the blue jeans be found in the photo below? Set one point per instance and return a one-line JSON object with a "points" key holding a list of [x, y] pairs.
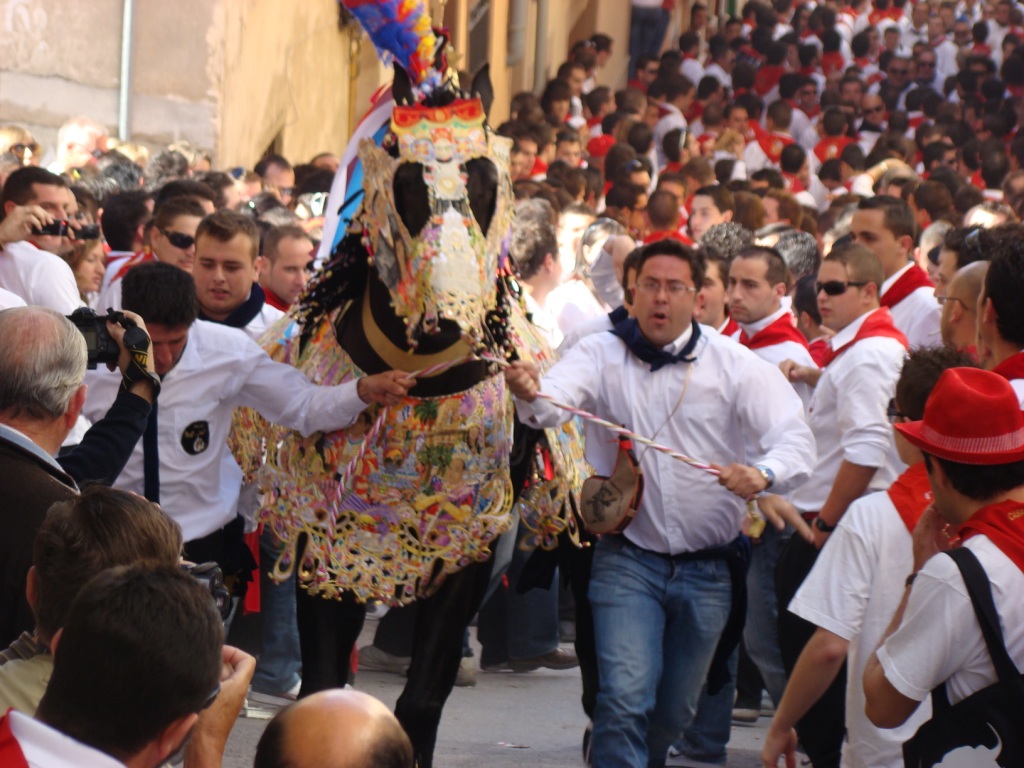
{"points": [[708, 735], [657, 621], [277, 669], [761, 634], [646, 33]]}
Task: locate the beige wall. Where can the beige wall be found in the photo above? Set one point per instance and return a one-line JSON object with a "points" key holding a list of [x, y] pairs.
{"points": [[236, 76]]}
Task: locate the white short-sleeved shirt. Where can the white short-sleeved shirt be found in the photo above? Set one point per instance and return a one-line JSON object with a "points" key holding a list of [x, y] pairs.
{"points": [[853, 591], [940, 639], [220, 368], [733, 400], [39, 277], [848, 414]]}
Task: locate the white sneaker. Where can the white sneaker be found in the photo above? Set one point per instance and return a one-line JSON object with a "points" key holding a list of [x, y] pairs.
{"points": [[373, 659]]}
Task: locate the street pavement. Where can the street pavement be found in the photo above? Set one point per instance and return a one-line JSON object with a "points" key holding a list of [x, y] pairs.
{"points": [[508, 720]]}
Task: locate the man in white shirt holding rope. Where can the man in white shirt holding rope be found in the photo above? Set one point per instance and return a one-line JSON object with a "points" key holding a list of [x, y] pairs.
{"points": [[667, 591]]}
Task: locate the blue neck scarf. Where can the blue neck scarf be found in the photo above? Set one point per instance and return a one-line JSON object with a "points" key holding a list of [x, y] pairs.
{"points": [[629, 331]]}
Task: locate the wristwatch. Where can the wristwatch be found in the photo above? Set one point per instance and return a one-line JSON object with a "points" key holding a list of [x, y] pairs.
{"points": [[821, 525], [767, 474]]}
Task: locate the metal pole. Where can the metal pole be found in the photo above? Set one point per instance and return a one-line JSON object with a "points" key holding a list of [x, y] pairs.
{"points": [[124, 96]]}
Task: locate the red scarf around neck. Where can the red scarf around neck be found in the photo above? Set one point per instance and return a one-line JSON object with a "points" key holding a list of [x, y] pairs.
{"points": [[11, 755], [1011, 368], [911, 494], [1003, 523], [776, 332], [730, 328], [909, 281], [820, 350], [772, 145], [878, 324]]}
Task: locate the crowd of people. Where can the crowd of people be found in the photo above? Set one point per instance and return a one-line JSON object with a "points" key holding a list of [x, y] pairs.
{"points": [[791, 248]]}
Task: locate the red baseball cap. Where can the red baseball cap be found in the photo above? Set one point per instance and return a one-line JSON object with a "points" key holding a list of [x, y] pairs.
{"points": [[971, 417]]}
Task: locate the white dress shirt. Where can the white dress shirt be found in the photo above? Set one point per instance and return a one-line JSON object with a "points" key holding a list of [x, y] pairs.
{"points": [[39, 277], [267, 316], [46, 747], [848, 414], [733, 399], [853, 592], [220, 368], [573, 303], [786, 350], [9, 300], [672, 119], [918, 315]]}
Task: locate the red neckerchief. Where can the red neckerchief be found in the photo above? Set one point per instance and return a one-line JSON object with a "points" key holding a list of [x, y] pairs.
{"points": [[793, 183], [11, 755], [667, 234], [276, 301], [1011, 368], [821, 351], [911, 494], [540, 168], [772, 145], [779, 330], [767, 78], [909, 281], [977, 181], [832, 62], [705, 141], [1003, 523], [730, 328], [672, 168], [638, 85], [878, 324], [695, 112], [831, 147], [139, 258]]}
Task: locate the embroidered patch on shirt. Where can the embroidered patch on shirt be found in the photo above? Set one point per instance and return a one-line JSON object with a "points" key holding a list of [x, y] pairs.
{"points": [[196, 437]]}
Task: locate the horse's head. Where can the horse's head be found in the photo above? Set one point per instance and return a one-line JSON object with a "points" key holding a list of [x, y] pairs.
{"points": [[437, 208]]}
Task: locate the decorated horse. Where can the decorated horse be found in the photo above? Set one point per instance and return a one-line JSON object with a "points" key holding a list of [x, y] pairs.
{"points": [[406, 504]]}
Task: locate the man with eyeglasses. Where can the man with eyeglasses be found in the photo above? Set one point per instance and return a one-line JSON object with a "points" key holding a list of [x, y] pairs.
{"points": [[278, 177], [855, 451], [669, 590], [80, 142], [872, 124], [959, 323], [30, 267], [927, 76]]}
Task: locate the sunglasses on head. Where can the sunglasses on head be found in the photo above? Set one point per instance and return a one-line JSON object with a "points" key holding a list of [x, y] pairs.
{"points": [[838, 287], [179, 239]]}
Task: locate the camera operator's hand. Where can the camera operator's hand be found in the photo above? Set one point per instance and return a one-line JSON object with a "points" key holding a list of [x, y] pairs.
{"points": [[206, 745], [19, 223], [144, 387]]}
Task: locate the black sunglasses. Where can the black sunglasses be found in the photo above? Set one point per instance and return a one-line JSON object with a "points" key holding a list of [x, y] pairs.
{"points": [[893, 412], [20, 149], [838, 287], [179, 239]]}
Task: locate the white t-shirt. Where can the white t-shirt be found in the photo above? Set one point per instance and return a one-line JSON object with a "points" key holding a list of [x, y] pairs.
{"points": [[940, 639], [853, 591]]}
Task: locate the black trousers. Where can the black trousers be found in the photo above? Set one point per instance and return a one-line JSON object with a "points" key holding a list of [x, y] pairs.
{"points": [[329, 629], [822, 729]]}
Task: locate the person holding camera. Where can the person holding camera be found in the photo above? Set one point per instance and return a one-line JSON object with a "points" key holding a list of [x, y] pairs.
{"points": [[42, 369], [206, 371], [34, 234]]}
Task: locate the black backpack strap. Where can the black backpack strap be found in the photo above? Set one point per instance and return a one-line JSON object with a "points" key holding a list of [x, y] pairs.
{"points": [[979, 589]]}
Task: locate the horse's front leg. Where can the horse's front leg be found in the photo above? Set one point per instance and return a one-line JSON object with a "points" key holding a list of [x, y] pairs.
{"points": [[437, 651]]}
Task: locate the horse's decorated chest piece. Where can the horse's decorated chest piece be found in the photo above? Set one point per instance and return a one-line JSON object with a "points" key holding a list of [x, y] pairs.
{"points": [[446, 270]]}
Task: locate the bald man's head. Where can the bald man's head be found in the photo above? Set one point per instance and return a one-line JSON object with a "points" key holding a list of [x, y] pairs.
{"points": [[334, 729], [958, 323]]}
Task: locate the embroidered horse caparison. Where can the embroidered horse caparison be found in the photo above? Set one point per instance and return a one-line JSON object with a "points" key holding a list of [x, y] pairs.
{"points": [[416, 282]]}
